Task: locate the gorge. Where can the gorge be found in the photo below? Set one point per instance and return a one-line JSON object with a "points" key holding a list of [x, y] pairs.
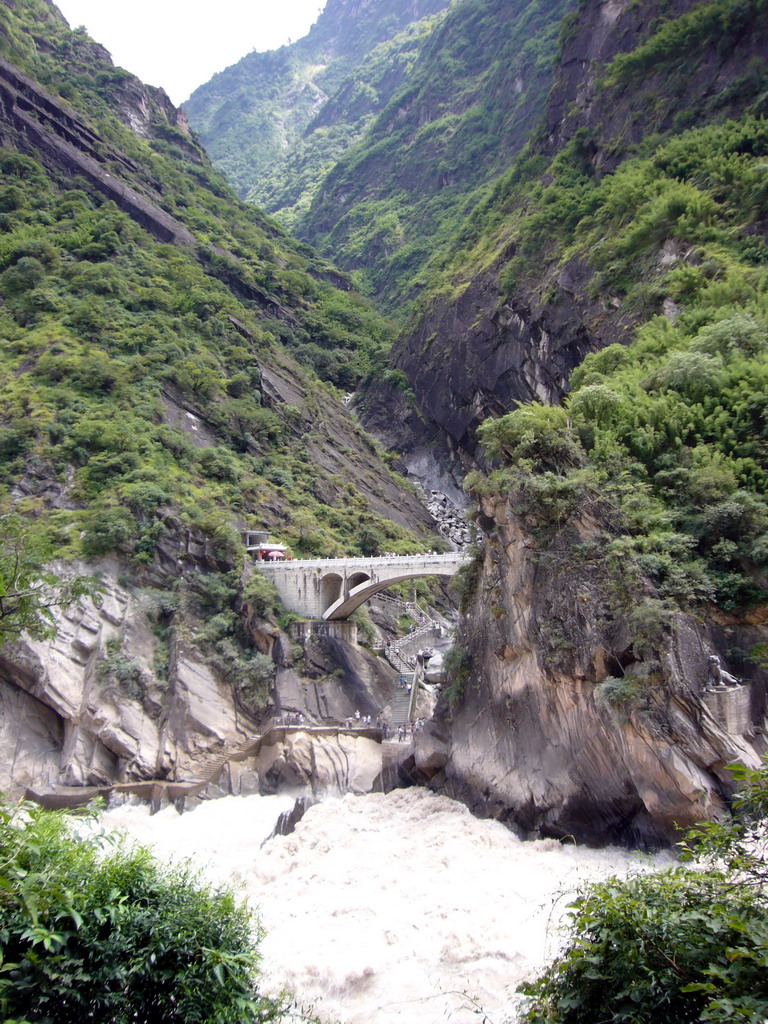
{"points": [[489, 270]]}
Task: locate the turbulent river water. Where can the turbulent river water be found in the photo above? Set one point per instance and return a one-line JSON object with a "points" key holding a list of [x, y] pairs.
{"points": [[386, 908]]}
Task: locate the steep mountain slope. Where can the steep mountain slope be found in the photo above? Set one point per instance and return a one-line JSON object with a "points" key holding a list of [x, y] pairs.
{"points": [[476, 91], [625, 531], [538, 275], [274, 123], [152, 406]]}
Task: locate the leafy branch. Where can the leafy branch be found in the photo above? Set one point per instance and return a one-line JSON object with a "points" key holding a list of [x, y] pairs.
{"points": [[29, 592]]}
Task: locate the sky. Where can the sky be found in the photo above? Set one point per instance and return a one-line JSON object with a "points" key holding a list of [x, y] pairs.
{"points": [[180, 44]]}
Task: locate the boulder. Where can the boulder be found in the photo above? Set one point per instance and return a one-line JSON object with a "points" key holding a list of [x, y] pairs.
{"points": [[323, 764]]}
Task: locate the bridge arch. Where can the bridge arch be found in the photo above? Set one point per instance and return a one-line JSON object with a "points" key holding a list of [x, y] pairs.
{"points": [[332, 588], [343, 607], [356, 580], [332, 585]]}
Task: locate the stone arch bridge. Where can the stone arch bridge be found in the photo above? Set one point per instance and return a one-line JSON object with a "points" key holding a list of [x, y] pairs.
{"points": [[332, 588]]}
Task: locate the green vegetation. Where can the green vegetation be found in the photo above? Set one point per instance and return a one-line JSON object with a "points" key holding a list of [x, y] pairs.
{"points": [[133, 371], [677, 945], [374, 138], [718, 25], [288, 185], [669, 431], [93, 931], [225, 604], [458, 669], [95, 347], [28, 591], [392, 205], [275, 123], [663, 440]]}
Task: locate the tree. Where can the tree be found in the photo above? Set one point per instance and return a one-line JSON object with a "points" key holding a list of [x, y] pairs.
{"points": [[677, 945], [28, 591], [91, 933]]}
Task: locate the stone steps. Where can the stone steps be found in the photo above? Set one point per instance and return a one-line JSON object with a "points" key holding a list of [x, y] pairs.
{"points": [[401, 705]]}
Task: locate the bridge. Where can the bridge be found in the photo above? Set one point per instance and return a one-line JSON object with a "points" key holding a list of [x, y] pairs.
{"points": [[332, 588]]}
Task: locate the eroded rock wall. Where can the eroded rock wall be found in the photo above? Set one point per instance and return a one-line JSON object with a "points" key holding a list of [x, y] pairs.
{"points": [[485, 342], [533, 739], [92, 708]]}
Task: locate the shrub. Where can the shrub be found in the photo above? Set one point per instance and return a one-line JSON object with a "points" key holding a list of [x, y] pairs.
{"points": [[535, 431], [91, 933], [458, 668], [463, 585], [107, 529], [620, 691], [365, 626], [260, 594], [677, 945]]}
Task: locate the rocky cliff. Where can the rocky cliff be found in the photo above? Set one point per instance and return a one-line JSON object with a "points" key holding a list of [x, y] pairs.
{"points": [[567, 719], [578, 702], [389, 207], [524, 298], [128, 693], [699, 61]]}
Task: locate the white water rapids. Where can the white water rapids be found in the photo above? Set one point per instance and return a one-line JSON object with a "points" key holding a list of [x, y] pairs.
{"points": [[386, 908]]}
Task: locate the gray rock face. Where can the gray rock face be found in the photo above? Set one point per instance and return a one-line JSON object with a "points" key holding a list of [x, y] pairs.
{"points": [[620, 116], [450, 520], [329, 764], [336, 680], [72, 727], [476, 355], [42, 125], [535, 741], [65, 721], [487, 345]]}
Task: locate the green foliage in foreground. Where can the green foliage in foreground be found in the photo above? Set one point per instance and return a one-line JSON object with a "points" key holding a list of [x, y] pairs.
{"points": [[89, 932], [677, 946]]}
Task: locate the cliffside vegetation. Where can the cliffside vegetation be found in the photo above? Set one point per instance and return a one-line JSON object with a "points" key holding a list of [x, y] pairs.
{"points": [[29, 592], [391, 205], [681, 944], [276, 123], [145, 382], [375, 155], [669, 431]]}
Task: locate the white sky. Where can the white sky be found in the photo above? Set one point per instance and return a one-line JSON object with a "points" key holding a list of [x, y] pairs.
{"points": [[180, 44]]}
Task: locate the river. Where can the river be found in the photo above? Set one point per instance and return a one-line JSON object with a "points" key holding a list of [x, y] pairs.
{"points": [[390, 907]]}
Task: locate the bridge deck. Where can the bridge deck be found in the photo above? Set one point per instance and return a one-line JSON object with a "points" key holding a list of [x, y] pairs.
{"points": [[452, 557]]}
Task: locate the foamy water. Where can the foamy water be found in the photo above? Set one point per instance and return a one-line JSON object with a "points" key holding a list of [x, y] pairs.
{"points": [[386, 908]]}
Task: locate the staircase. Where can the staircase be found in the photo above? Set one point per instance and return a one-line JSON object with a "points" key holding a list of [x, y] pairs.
{"points": [[401, 707], [209, 768]]}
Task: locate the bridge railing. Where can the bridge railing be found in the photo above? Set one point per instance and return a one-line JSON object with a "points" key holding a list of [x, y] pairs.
{"points": [[452, 557]]}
